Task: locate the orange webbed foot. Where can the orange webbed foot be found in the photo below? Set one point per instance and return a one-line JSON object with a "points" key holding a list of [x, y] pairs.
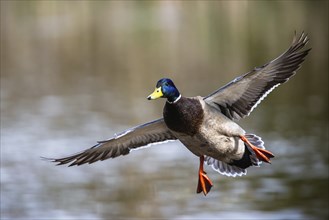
{"points": [[204, 183], [262, 154]]}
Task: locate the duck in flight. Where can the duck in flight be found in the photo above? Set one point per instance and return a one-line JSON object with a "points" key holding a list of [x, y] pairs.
{"points": [[207, 125]]}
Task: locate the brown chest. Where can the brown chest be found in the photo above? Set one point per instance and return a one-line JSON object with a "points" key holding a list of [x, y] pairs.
{"points": [[185, 116]]}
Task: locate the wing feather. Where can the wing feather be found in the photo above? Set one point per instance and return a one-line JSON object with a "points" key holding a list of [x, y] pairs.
{"points": [[238, 98], [121, 144]]}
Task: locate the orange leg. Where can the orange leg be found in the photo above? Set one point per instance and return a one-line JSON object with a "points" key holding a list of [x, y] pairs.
{"points": [[204, 183], [262, 154]]}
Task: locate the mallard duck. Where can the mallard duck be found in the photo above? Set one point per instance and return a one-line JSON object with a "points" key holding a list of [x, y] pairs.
{"points": [[207, 125]]}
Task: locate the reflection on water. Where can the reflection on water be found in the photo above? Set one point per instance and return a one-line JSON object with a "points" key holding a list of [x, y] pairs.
{"points": [[74, 73]]}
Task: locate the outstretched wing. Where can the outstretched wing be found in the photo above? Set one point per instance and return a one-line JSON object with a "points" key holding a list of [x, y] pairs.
{"points": [[238, 98], [121, 144]]}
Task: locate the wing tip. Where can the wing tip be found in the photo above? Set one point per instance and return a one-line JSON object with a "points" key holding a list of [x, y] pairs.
{"points": [[301, 41], [53, 160]]}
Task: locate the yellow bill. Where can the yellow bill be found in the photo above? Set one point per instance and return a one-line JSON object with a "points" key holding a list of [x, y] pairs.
{"points": [[156, 94]]}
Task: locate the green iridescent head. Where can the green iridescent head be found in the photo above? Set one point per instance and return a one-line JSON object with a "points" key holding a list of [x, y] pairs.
{"points": [[165, 88]]}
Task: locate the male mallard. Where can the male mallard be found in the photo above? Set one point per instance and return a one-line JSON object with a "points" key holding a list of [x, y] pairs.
{"points": [[205, 124]]}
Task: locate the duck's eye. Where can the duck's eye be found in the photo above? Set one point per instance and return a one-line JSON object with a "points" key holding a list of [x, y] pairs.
{"points": [[166, 84]]}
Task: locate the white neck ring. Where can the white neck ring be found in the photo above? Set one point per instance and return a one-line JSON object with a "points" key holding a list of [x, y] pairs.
{"points": [[176, 100]]}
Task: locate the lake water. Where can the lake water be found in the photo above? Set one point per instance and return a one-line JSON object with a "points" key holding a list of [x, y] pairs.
{"points": [[75, 73]]}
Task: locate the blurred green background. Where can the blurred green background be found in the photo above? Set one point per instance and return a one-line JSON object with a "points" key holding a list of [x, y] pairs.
{"points": [[74, 72]]}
